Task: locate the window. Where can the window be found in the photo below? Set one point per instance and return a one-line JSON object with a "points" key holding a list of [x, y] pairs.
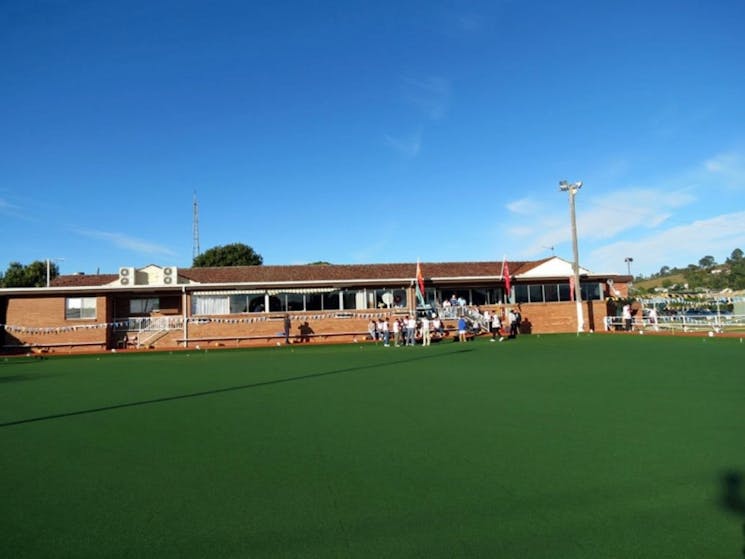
{"points": [[536, 293], [551, 292], [521, 293], [331, 301], [201, 304], [313, 302], [591, 291], [238, 304], [144, 306], [77, 308]]}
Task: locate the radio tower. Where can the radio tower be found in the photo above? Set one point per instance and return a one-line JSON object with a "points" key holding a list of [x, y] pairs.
{"points": [[195, 229]]}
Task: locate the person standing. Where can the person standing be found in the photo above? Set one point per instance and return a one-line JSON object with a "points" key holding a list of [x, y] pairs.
{"points": [[653, 319], [626, 316], [287, 328], [410, 330], [496, 326], [426, 336], [385, 330], [396, 332], [512, 321], [462, 326]]}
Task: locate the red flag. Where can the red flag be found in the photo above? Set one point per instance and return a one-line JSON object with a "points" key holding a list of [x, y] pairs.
{"points": [[419, 284], [506, 276]]}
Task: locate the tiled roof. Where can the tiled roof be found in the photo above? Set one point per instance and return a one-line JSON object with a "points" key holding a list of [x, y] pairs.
{"points": [[82, 280], [319, 272]]}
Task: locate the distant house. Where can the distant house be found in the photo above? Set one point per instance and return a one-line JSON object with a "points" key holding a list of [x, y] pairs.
{"points": [[169, 307]]}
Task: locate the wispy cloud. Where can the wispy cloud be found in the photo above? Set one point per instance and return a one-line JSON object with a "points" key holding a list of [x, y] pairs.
{"points": [[409, 146], [686, 244], [429, 95], [673, 221], [524, 206], [123, 241], [12, 210], [728, 169]]}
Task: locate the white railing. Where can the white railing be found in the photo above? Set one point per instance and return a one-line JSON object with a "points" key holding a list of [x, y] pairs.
{"points": [[150, 324], [150, 328], [718, 323]]}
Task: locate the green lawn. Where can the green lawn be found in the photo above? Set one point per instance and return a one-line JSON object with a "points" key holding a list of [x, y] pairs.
{"points": [[546, 447]]}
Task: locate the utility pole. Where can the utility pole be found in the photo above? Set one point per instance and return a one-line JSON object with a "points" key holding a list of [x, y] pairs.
{"points": [[49, 265], [572, 190], [196, 251]]}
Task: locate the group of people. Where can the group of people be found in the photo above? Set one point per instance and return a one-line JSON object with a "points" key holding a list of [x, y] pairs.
{"points": [[406, 330], [409, 330], [495, 322]]}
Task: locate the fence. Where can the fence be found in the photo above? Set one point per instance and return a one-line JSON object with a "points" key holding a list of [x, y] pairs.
{"points": [[717, 323]]}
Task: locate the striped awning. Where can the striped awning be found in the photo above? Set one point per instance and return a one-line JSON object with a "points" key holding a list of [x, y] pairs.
{"points": [[289, 291]]}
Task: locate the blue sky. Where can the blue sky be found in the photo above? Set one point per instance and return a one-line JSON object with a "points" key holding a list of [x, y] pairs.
{"points": [[373, 131]]}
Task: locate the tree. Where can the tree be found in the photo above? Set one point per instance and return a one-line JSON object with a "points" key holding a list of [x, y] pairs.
{"points": [[736, 256], [707, 262], [33, 275], [665, 270], [236, 254]]}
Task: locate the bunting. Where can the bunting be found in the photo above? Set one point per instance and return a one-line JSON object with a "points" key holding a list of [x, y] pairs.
{"points": [[196, 320]]}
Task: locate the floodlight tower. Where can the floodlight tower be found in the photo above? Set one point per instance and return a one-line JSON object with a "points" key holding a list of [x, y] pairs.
{"points": [[195, 229], [628, 261], [572, 189]]}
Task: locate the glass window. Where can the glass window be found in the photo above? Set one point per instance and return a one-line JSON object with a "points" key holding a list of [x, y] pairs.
{"points": [[521, 293], [331, 301], [206, 304], [536, 293], [399, 298], [493, 295], [295, 302], [349, 299], [478, 296], [313, 302], [238, 304], [144, 306], [77, 308], [257, 303], [591, 291], [564, 292], [551, 292]]}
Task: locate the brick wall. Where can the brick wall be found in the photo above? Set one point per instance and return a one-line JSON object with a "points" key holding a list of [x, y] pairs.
{"points": [[48, 313], [43, 322]]}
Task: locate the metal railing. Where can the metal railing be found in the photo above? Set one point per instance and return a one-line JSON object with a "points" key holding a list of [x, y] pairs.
{"points": [[717, 323], [149, 328]]}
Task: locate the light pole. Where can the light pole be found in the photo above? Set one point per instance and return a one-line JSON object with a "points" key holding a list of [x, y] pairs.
{"points": [[572, 189], [49, 262], [628, 261]]}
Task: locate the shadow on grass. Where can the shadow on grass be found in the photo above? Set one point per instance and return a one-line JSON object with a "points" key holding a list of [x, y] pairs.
{"points": [[219, 390], [19, 378], [733, 496]]}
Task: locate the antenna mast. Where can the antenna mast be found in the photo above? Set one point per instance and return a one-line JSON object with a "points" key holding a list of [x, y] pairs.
{"points": [[196, 251]]}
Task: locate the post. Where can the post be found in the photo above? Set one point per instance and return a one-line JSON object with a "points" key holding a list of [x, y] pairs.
{"points": [[49, 265], [572, 190]]}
